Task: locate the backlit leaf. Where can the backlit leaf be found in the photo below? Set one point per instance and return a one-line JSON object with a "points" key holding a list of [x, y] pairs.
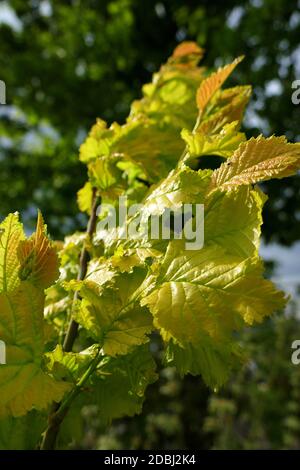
{"points": [[222, 144], [38, 258], [114, 317], [258, 159], [119, 385], [11, 233], [211, 84], [23, 383]]}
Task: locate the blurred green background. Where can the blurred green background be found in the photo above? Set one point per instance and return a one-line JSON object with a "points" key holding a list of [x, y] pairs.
{"points": [[67, 62]]}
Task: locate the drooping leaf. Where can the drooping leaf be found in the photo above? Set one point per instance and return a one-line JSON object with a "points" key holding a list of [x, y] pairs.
{"points": [[97, 142], [106, 176], [238, 235], [212, 360], [119, 385], [69, 366], [209, 294]]}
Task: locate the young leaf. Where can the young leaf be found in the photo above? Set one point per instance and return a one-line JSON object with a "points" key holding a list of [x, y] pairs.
{"points": [[187, 51], [258, 159], [151, 136], [38, 258], [211, 84], [181, 186], [23, 383], [114, 318], [97, 143], [226, 106], [222, 144]]}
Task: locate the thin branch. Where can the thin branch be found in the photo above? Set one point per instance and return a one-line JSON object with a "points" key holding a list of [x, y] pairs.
{"points": [[84, 258], [59, 410], [57, 416]]}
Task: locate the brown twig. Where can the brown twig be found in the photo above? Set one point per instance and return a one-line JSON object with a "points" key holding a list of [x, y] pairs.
{"points": [[59, 410], [84, 258]]}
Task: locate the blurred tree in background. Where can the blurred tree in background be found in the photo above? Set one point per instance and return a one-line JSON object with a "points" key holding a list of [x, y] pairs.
{"points": [[66, 62]]}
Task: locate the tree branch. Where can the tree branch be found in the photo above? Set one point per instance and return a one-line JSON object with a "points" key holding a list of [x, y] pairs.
{"points": [[59, 410], [84, 258], [58, 413]]}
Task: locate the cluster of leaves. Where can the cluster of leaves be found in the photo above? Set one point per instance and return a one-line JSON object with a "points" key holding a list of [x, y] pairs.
{"points": [[28, 267], [195, 299], [104, 52]]}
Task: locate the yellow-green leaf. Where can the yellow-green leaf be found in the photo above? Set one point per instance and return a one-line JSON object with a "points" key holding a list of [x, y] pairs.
{"points": [[23, 383], [209, 292], [84, 198], [114, 317], [211, 84], [258, 159], [222, 144], [120, 384], [11, 233]]}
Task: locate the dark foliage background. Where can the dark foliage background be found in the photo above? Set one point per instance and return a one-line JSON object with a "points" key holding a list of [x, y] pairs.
{"points": [[64, 63]]}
